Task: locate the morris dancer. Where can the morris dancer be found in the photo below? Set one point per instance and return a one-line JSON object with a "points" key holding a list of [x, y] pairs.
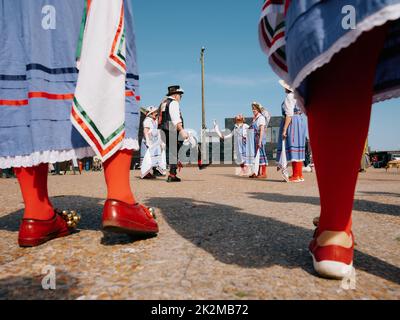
{"points": [[40, 77], [240, 137], [324, 60], [171, 122], [293, 131], [256, 144], [152, 149]]}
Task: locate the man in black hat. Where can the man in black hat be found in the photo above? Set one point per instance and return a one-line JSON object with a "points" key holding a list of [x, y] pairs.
{"points": [[171, 123]]}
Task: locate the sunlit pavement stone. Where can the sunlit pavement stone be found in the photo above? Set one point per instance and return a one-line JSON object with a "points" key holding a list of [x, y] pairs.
{"points": [[221, 237]]}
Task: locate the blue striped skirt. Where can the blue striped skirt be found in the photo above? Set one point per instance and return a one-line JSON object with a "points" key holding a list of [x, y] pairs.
{"points": [[296, 139], [315, 32], [38, 76]]}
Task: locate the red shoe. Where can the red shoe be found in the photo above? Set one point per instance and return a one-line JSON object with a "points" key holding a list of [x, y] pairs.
{"points": [[294, 179], [121, 217], [33, 233], [332, 261]]}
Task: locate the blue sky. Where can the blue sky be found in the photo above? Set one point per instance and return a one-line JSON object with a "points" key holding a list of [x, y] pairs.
{"points": [[170, 35]]}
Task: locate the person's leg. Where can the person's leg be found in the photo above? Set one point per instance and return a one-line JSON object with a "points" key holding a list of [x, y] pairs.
{"points": [[339, 110], [40, 223], [171, 152], [294, 169], [121, 212], [173, 170], [299, 168], [116, 173], [243, 169], [33, 184], [295, 172], [263, 171]]}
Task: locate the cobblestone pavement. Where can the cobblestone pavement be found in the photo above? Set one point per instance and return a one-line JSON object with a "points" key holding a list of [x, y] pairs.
{"points": [[221, 237]]}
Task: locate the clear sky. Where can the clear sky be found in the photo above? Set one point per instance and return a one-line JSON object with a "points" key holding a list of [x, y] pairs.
{"points": [[170, 35]]}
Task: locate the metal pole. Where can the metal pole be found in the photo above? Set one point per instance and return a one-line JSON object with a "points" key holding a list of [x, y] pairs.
{"points": [[203, 110]]}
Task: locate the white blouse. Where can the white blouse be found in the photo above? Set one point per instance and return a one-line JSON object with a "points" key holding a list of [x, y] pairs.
{"points": [[150, 123], [260, 121], [289, 105]]}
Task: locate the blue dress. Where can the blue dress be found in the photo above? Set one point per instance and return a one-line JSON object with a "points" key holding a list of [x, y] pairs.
{"points": [[253, 137], [296, 137], [240, 138], [38, 76], [300, 36]]}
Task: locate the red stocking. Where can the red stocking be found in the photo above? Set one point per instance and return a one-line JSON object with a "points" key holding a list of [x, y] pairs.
{"points": [[299, 168], [116, 172], [33, 184], [294, 169], [339, 110]]}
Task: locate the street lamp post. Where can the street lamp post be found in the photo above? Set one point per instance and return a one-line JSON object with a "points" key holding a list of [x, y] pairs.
{"points": [[203, 110]]}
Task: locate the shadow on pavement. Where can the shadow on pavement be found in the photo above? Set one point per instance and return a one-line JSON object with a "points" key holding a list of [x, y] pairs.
{"points": [[379, 193], [30, 288], [233, 236], [228, 233], [233, 176], [359, 205]]}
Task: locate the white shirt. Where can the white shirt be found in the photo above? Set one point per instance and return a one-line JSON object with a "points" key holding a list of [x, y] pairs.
{"points": [[150, 123], [175, 112], [153, 133], [289, 105], [260, 121]]}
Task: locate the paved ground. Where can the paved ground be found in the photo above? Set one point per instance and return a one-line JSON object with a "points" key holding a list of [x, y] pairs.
{"points": [[222, 237]]}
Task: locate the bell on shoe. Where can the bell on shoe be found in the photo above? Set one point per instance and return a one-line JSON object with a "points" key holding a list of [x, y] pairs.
{"points": [[136, 219]]}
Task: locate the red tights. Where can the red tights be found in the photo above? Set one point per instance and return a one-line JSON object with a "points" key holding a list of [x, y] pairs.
{"points": [[339, 110], [33, 184]]}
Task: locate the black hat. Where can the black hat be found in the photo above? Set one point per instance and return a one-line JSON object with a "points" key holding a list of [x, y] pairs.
{"points": [[175, 90]]}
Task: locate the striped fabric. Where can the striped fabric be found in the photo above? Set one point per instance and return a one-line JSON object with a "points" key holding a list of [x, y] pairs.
{"points": [[38, 82], [272, 35], [302, 36], [99, 102]]}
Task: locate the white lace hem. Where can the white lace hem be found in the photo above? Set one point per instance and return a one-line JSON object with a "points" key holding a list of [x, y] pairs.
{"points": [[388, 13], [53, 156], [130, 144], [386, 95]]}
